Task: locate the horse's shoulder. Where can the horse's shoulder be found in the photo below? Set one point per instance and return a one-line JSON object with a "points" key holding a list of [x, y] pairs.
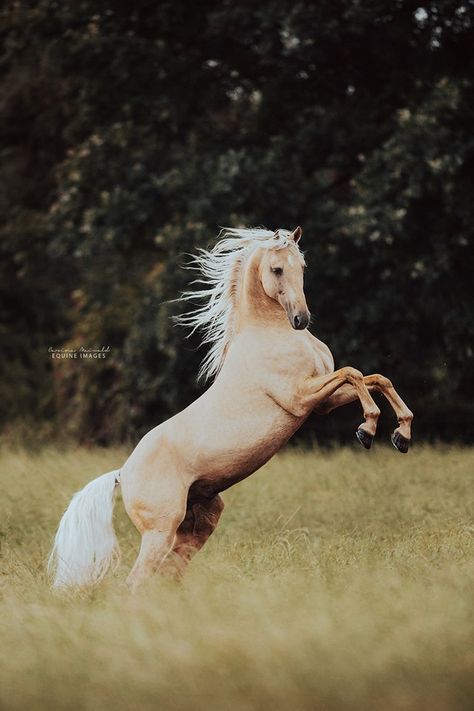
{"points": [[322, 352], [317, 344]]}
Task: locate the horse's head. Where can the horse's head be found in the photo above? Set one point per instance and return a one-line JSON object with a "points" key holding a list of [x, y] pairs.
{"points": [[281, 271]]}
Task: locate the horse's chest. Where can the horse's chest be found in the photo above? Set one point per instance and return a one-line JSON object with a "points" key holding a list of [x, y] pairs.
{"points": [[310, 361], [322, 363]]}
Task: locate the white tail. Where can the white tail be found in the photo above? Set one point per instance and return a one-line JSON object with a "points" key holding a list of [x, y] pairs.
{"points": [[85, 545]]}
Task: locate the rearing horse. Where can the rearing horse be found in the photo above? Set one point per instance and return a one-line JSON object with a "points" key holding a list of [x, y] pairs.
{"points": [[271, 374]]}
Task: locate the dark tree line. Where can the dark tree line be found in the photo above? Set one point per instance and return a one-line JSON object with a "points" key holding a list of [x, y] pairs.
{"points": [[132, 130]]}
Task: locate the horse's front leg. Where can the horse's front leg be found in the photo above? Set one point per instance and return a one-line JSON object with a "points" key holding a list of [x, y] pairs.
{"points": [[379, 383], [316, 390]]}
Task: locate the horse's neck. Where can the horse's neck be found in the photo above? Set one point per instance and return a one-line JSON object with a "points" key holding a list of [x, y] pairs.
{"points": [[253, 307]]}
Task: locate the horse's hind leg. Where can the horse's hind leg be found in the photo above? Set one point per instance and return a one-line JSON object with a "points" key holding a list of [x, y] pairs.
{"points": [[199, 523], [158, 522]]}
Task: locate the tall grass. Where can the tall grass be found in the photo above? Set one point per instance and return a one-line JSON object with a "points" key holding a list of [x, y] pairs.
{"points": [[340, 580]]}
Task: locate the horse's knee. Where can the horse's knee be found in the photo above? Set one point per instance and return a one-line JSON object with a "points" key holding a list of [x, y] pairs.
{"points": [[381, 381], [216, 509], [218, 506], [157, 517], [198, 525], [352, 375], [206, 516]]}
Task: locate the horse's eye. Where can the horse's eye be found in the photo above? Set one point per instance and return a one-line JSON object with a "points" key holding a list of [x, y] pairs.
{"points": [[278, 271]]}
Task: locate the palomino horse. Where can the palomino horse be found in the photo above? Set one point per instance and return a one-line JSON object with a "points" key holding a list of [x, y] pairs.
{"points": [[271, 374]]}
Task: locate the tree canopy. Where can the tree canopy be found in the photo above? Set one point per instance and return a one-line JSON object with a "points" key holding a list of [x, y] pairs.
{"points": [[132, 130]]}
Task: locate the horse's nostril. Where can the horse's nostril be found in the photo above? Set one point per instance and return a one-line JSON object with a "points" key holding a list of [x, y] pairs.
{"points": [[300, 320]]}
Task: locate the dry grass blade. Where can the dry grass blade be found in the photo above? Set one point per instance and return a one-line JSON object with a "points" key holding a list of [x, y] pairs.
{"points": [[335, 580]]}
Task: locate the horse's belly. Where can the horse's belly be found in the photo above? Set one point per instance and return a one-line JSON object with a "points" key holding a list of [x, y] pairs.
{"points": [[225, 445], [226, 474]]}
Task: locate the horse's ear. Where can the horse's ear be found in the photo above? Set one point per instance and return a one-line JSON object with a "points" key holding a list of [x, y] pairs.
{"points": [[296, 235]]}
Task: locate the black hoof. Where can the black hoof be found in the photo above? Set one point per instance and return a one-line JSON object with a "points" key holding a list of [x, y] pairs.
{"points": [[400, 442], [364, 437]]}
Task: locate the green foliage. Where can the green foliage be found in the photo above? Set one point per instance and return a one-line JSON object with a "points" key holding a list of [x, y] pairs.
{"points": [[133, 130]]}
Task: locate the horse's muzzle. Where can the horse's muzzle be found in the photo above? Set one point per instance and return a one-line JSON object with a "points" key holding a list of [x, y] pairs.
{"points": [[300, 320]]}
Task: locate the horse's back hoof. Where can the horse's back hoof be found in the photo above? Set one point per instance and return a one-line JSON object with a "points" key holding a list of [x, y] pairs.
{"points": [[364, 437], [400, 442]]}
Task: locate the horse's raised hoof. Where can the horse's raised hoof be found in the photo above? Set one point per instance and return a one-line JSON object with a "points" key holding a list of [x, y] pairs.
{"points": [[400, 442], [364, 437]]}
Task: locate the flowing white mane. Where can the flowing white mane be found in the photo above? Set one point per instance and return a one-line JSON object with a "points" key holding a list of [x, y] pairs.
{"points": [[220, 270]]}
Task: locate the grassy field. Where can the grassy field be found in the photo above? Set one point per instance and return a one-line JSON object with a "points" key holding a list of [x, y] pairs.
{"points": [[335, 580]]}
